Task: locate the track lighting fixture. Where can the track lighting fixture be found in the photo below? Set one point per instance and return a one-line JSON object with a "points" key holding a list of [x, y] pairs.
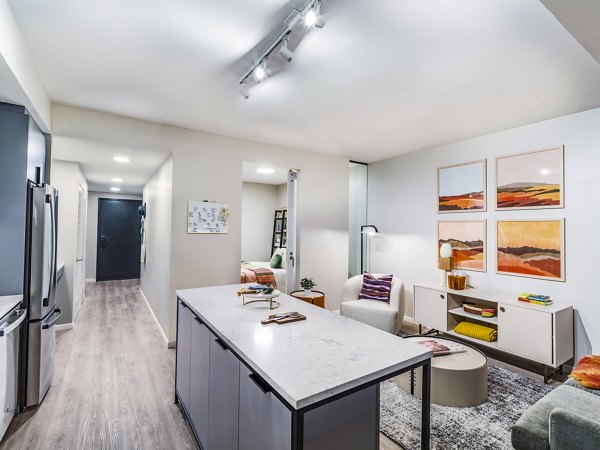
{"points": [[285, 52], [311, 16]]}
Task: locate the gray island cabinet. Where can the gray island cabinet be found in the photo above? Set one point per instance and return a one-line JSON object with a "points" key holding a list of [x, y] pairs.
{"points": [[307, 385]]}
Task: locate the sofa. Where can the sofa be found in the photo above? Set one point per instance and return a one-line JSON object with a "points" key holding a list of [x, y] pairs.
{"points": [[567, 418]]}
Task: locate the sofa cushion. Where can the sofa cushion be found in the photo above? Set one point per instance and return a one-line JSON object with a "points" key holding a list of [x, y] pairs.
{"points": [[575, 384], [376, 288], [587, 372], [569, 430], [531, 432]]}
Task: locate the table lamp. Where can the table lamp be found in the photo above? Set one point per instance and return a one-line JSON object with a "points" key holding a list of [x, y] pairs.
{"points": [[445, 262]]}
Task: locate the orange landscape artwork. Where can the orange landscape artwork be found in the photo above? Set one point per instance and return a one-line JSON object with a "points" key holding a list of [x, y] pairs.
{"points": [[531, 248], [467, 239], [462, 187], [531, 180]]}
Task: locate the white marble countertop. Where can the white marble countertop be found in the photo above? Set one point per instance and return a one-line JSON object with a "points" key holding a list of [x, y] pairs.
{"points": [[306, 361], [8, 302]]}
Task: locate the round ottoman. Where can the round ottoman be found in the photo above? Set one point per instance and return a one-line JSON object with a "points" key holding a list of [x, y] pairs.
{"points": [[458, 379]]}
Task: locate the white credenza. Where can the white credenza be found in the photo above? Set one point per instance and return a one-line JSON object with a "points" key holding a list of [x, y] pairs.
{"points": [[543, 334]]}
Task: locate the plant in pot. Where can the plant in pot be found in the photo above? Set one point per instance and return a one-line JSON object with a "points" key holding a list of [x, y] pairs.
{"points": [[307, 284]]}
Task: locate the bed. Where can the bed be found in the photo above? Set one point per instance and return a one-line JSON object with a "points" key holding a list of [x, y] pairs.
{"points": [[248, 275]]}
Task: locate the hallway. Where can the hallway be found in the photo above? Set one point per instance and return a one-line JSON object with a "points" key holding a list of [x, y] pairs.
{"points": [[113, 383]]}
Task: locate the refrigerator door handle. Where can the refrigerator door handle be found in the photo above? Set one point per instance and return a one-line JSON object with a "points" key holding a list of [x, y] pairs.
{"points": [[53, 322], [52, 277]]}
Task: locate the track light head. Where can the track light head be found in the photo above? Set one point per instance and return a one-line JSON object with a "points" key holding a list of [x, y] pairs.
{"points": [[286, 53], [244, 91], [261, 72], [313, 19]]}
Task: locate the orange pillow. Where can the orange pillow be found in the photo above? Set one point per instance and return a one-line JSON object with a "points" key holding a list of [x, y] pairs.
{"points": [[587, 372]]}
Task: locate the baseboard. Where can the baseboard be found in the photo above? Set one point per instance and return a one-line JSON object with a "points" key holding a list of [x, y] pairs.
{"points": [[64, 326], [172, 344], [155, 319], [90, 280]]}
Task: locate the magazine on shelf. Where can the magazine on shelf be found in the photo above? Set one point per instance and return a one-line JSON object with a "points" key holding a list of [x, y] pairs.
{"points": [[439, 349]]}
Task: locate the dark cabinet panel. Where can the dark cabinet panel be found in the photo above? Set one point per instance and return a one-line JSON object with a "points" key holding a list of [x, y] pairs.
{"points": [[199, 380], [264, 422], [184, 338], [223, 401]]}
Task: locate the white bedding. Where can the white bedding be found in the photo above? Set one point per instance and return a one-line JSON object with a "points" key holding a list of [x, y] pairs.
{"points": [[280, 275]]}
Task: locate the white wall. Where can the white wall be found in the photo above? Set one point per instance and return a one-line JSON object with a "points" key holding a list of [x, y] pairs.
{"points": [[67, 177], [19, 81], [209, 167], [91, 238], [282, 196], [402, 204], [155, 272], [259, 202]]}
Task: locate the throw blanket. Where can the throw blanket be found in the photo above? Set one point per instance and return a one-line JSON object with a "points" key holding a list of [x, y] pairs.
{"points": [[251, 274], [476, 331]]}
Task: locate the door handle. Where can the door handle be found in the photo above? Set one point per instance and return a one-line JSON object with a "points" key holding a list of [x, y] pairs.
{"points": [[52, 322], [260, 383], [102, 241], [221, 344]]}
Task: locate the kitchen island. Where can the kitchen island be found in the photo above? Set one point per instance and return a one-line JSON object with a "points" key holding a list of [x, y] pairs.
{"points": [[312, 384]]}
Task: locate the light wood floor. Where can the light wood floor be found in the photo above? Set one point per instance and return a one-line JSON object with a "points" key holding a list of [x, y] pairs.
{"points": [[113, 385]]}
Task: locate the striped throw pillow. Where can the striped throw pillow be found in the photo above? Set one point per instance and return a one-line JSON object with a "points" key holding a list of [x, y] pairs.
{"points": [[376, 288]]}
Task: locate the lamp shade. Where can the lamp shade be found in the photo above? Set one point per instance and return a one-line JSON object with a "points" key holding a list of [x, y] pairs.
{"points": [[446, 250]]}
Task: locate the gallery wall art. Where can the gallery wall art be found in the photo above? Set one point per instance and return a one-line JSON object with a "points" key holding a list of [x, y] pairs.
{"points": [[531, 248], [532, 180], [462, 187], [468, 240]]}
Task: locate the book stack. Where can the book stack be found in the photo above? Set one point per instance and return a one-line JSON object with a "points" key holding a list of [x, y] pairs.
{"points": [[536, 299]]}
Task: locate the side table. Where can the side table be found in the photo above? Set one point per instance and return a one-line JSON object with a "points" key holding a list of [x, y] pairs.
{"points": [[316, 298]]}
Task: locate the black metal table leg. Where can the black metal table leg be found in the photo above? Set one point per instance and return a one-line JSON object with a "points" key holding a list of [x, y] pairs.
{"points": [[426, 406]]}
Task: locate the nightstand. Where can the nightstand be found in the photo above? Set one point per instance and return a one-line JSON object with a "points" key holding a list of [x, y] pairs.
{"points": [[317, 298]]}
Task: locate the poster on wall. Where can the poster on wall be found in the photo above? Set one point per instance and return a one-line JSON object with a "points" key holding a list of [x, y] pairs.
{"points": [[207, 217], [531, 248], [462, 187], [468, 241], [532, 180]]}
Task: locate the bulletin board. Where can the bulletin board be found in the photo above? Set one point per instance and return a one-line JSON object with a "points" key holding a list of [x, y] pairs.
{"points": [[207, 217]]}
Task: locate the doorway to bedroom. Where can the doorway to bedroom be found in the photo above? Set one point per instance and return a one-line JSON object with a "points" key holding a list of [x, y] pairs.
{"points": [[266, 221]]}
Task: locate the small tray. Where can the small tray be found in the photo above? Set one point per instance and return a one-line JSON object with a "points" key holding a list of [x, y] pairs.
{"points": [[272, 319]]}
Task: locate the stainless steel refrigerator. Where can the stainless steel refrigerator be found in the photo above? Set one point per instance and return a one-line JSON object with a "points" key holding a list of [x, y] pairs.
{"points": [[28, 231]]}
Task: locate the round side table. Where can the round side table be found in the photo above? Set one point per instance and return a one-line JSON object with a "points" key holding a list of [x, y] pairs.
{"points": [[316, 298]]}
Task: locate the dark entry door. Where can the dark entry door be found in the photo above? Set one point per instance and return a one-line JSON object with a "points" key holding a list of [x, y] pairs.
{"points": [[118, 254]]}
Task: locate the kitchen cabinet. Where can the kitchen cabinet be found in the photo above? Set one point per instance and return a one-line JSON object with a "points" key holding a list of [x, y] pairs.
{"points": [[199, 380], [184, 341], [257, 403], [223, 396]]}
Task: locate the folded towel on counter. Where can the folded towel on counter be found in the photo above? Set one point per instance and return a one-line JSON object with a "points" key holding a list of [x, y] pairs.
{"points": [[476, 331]]}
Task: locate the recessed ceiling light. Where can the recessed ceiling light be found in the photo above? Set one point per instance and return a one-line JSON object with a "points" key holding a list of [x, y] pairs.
{"points": [[115, 189], [545, 171], [121, 159], [117, 180], [265, 170]]}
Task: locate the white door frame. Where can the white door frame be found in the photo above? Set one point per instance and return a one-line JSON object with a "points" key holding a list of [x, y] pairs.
{"points": [[292, 256]]}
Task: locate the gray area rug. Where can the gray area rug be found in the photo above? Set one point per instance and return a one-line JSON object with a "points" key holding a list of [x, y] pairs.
{"points": [[483, 427]]}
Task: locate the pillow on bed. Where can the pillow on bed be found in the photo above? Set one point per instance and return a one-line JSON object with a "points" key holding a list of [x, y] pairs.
{"points": [[275, 261], [281, 252]]}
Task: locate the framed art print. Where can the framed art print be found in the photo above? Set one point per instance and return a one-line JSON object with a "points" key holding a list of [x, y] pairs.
{"points": [[532, 180], [531, 248], [207, 218], [462, 187], [468, 240]]}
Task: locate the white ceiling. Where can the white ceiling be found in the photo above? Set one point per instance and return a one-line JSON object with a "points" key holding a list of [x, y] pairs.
{"points": [[98, 167], [382, 78], [250, 175]]}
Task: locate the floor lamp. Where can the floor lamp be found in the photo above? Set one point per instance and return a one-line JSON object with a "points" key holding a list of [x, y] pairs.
{"points": [[368, 231]]}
